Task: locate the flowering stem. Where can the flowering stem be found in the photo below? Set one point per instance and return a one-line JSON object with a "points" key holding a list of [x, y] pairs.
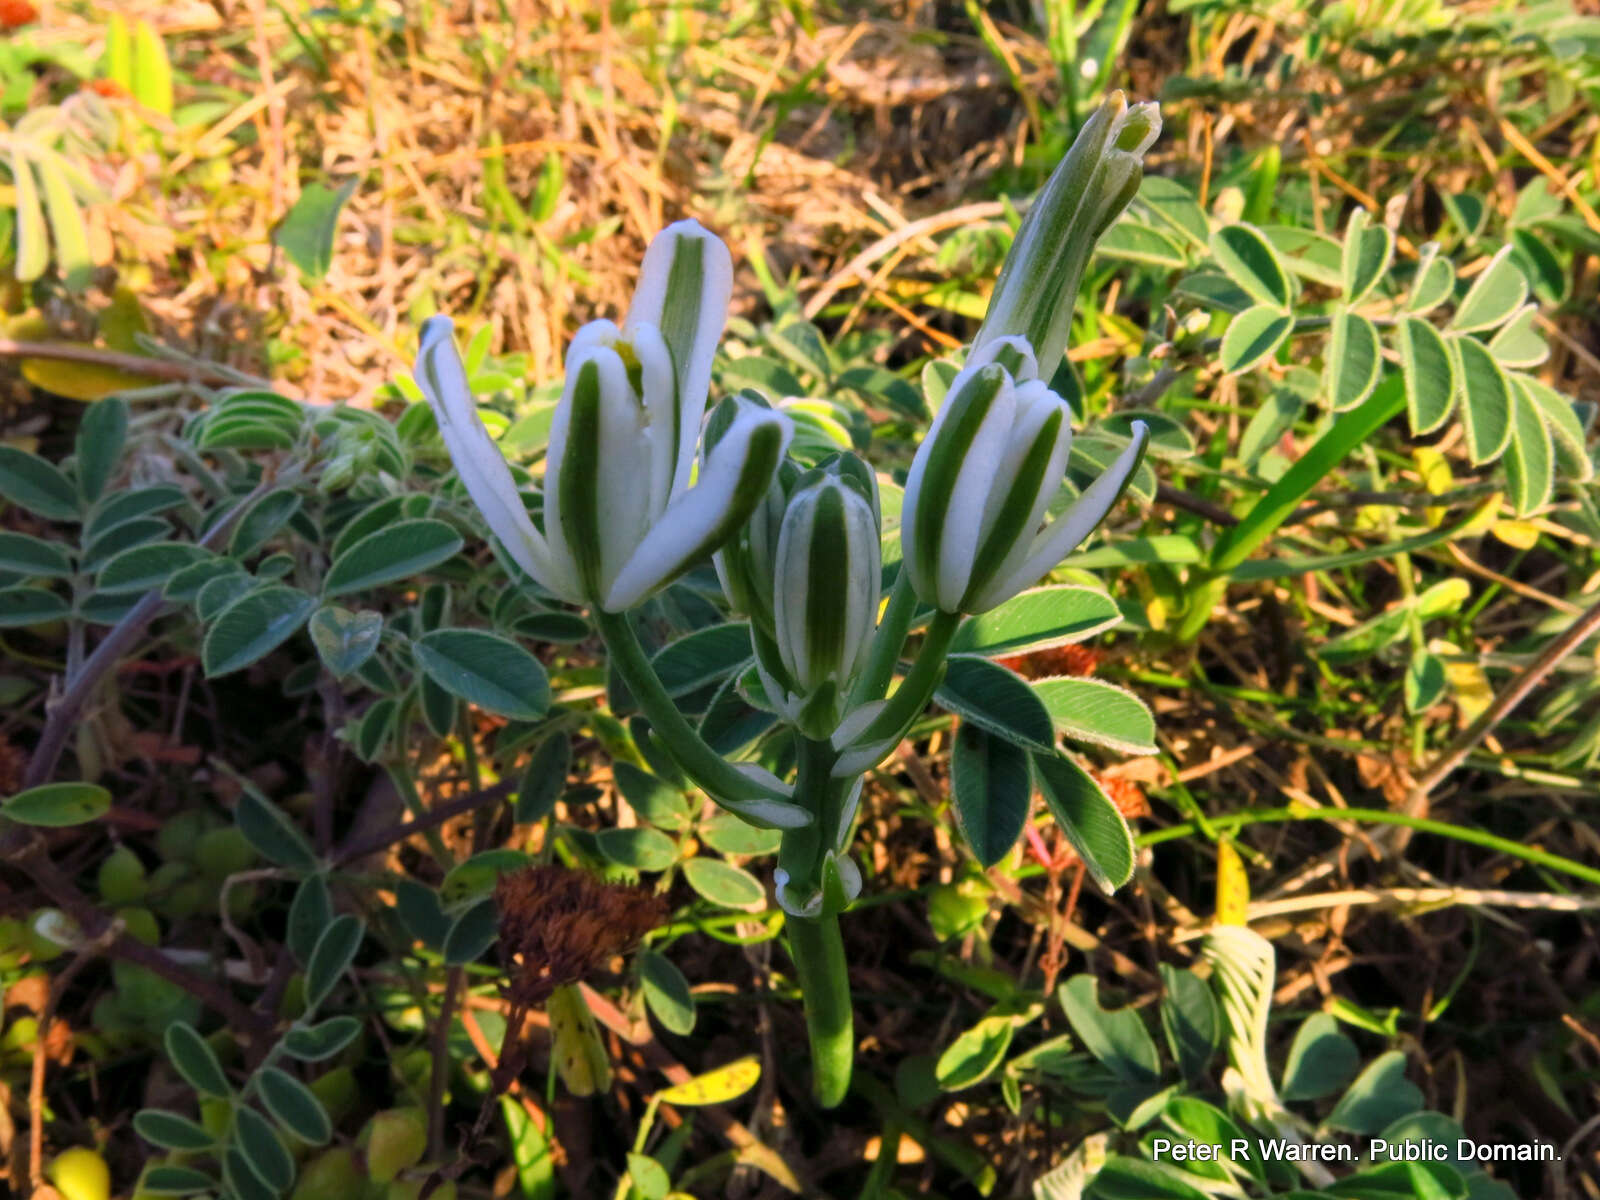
{"points": [[873, 681], [704, 765], [917, 688], [818, 953]]}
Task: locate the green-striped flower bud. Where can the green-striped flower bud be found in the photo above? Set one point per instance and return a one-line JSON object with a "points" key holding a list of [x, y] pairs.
{"points": [[621, 520], [1089, 189], [983, 479], [826, 587], [747, 563]]}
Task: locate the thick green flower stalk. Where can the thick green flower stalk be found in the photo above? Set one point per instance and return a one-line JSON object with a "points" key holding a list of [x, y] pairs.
{"points": [[635, 494]]}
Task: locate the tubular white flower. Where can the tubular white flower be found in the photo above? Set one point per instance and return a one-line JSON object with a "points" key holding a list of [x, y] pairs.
{"points": [[478, 460], [620, 518], [826, 585], [982, 481], [1038, 285]]}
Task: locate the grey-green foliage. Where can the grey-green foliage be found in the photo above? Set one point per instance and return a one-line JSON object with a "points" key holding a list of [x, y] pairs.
{"points": [[1155, 1073], [1462, 325]]}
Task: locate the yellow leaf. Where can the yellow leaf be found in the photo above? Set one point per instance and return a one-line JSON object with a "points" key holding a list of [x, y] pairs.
{"points": [[716, 1087], [1434, 468], [1522, 535], [1233, 885], [80, 380], [580, 1056], [1468, 682], [1482, 517]]}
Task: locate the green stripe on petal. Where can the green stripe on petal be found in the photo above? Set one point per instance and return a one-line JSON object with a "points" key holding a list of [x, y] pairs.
{"points": [[732, 483], [1015, 522], [943, 462]]}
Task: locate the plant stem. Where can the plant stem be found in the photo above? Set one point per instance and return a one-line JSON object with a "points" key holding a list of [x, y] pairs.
{"points": [[873, 682], [704, 765], [917, 688], [818, 953]]}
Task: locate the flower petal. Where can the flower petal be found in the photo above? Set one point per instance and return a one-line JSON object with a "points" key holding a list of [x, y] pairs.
{"points": [[684, 287], [1062, 535], [732, 483], [478, 460]]}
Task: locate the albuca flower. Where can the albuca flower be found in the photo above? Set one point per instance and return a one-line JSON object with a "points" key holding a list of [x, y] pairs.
{"points": [[983, 479], [827, 579], [621, 520], [1038, 285]]}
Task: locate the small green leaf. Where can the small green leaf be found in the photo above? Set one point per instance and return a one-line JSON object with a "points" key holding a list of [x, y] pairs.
{"points": [[1431, 375], [1433, 283], [1250, 261], [1485, 400], [545, 779], [1425, 681], [68, 229], [395, 552], [997, 700], [472, 933], [666, 992], [975, 1054], [1321, 1060], [345, 639], [485, 669], [36, 485], [335, 951], [33, 557], [294, 1106], [729, 834], [725, 884], [1117, 1038], [25, 607], [253, 626], [152, 71], [1088, 818], [1566, 430], [641, 849], [316, 1043], [195, 1060], [703, 657], [149, 566], [478, 875], [1368, 249], [1100, 713], [309, 914], [33, 241], [263, 519], [170, 1131], [1039, 619], [56, 805], [263, 1153], [307, 232], [991, 785], [1191, 1019], [1518, 344], [1530, 459], [1254, 336], [1355, 358], [654, 800], [268, 828], [1380, 1096], [1499, 290], [165, 1180], [101, 436], [650, 1178]]}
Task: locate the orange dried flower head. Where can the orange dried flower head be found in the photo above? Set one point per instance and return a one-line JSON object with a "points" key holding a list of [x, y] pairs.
{"points": [[15, 13], [559, 925], [1125, 794], [1057, 660]]}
